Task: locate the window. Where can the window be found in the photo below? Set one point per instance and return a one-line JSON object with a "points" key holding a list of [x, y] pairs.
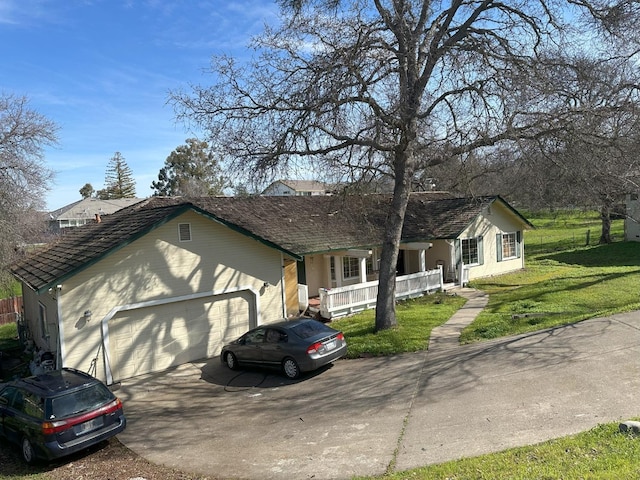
{"points": [[44, 326], [470, 251], [33, 405], [332, 266], [257, 336], [508, 245], [350, 267], [275, 336], [184, 232]]}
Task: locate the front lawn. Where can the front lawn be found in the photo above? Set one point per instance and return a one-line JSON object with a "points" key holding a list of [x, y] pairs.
{"points": [[602, 453], [560, 287], [416, 318]]}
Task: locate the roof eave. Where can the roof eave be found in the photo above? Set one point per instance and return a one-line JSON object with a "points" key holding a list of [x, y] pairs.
{"points": [[247, 233], [142, 232]]}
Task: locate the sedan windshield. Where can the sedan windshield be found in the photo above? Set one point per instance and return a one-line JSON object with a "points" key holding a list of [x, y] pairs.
{"points": [[80, 401]]}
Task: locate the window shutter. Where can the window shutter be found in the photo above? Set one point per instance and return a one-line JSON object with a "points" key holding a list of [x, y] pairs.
{"points": [[480, 252], [184, 232], [499, 246], [518, 240]]}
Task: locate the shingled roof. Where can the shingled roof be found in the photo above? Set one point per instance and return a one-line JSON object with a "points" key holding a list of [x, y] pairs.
{"points": [[297, 226]]}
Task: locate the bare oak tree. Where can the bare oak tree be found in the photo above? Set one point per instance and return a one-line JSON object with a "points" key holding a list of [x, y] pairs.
{"points": [[24, 133], [383, 87]]}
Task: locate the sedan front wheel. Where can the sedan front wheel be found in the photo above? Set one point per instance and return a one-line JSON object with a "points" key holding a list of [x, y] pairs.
{"points": [[232, 361], [290, 368]]}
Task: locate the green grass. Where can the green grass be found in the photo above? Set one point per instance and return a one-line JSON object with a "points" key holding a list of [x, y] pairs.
{"points": [[601, 453], [13, 290], [559, 287], [560, 230], [415, 319], [9, 337]]}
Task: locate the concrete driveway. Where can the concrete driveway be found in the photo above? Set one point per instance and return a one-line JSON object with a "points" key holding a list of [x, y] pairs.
{"points": [[363, 417]]}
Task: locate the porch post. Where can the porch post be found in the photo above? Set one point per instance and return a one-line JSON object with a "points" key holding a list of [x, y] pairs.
{"points": [[339, 270], [422, 255], [327, 260], [363, 270]]}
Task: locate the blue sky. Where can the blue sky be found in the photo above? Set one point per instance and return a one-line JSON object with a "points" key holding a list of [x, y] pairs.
{"points": [[102, 70]]}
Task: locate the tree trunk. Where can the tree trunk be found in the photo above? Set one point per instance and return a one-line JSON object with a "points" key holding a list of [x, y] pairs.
{"points": [[605, 216], [385, 303]]}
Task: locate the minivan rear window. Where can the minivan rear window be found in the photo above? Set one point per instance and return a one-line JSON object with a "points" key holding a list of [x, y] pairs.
{"points": [[80, 401]]}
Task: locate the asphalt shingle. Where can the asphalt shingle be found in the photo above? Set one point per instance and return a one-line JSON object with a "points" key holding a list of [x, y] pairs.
{"points": [[296, 225]]}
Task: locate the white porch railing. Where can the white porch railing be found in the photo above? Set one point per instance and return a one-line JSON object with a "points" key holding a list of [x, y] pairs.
{"points": [[337, 302]]}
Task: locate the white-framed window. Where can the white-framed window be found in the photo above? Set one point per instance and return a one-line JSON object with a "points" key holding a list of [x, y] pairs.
{"points": [[42, 318], [184, 232], [470, 251], [350, 267], [508, 245]]}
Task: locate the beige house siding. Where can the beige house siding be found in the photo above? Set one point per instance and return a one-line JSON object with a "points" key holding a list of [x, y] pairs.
{"points": [[632, 219], [502, 220], [159, 266], [316, 272]]}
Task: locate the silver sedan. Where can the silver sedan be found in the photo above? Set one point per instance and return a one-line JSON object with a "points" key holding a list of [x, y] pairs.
{"points": [[294, 346]]}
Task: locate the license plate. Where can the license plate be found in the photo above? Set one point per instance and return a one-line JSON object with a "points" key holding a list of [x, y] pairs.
{"points": [[330, 345], [85, 427]]}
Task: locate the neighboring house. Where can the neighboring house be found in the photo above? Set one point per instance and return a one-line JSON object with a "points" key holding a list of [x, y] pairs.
{"points": [[632, 218], [84, 211], [295, 188], [170, 280]]}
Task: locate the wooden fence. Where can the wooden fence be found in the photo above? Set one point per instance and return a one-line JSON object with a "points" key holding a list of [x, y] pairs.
{"points": [[10, 308]]}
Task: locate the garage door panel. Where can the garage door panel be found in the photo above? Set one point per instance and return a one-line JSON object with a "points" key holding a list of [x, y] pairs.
{"points": [[155, 338]]}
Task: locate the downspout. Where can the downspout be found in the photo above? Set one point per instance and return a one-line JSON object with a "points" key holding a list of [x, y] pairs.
{"points": [[61, 346], [283, 293]]}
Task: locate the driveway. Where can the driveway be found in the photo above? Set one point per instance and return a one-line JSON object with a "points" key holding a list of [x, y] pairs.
{"points": [[365, 416]]}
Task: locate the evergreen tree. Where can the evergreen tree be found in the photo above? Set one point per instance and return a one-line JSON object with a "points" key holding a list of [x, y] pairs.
{"points": [[118, 180], [190, 170], [87, 191]]}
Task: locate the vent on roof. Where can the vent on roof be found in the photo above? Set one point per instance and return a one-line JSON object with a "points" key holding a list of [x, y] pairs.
{"points": [[184, 232]]}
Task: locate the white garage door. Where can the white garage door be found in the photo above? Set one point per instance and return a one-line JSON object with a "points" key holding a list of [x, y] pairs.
{"points": [[155, 338]]}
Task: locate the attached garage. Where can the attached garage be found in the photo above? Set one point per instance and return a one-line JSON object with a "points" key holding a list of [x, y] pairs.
{"points": [[148, 337]]}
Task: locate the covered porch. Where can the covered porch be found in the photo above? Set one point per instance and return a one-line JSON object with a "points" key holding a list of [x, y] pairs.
{"points": [[341, 301], [347, 281]]}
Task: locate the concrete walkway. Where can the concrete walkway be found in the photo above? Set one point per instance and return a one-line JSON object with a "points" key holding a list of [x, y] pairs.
{"points": [[448, 335]]}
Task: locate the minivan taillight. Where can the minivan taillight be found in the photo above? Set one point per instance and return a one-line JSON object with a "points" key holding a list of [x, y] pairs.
{"points": [[57, 426]]}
